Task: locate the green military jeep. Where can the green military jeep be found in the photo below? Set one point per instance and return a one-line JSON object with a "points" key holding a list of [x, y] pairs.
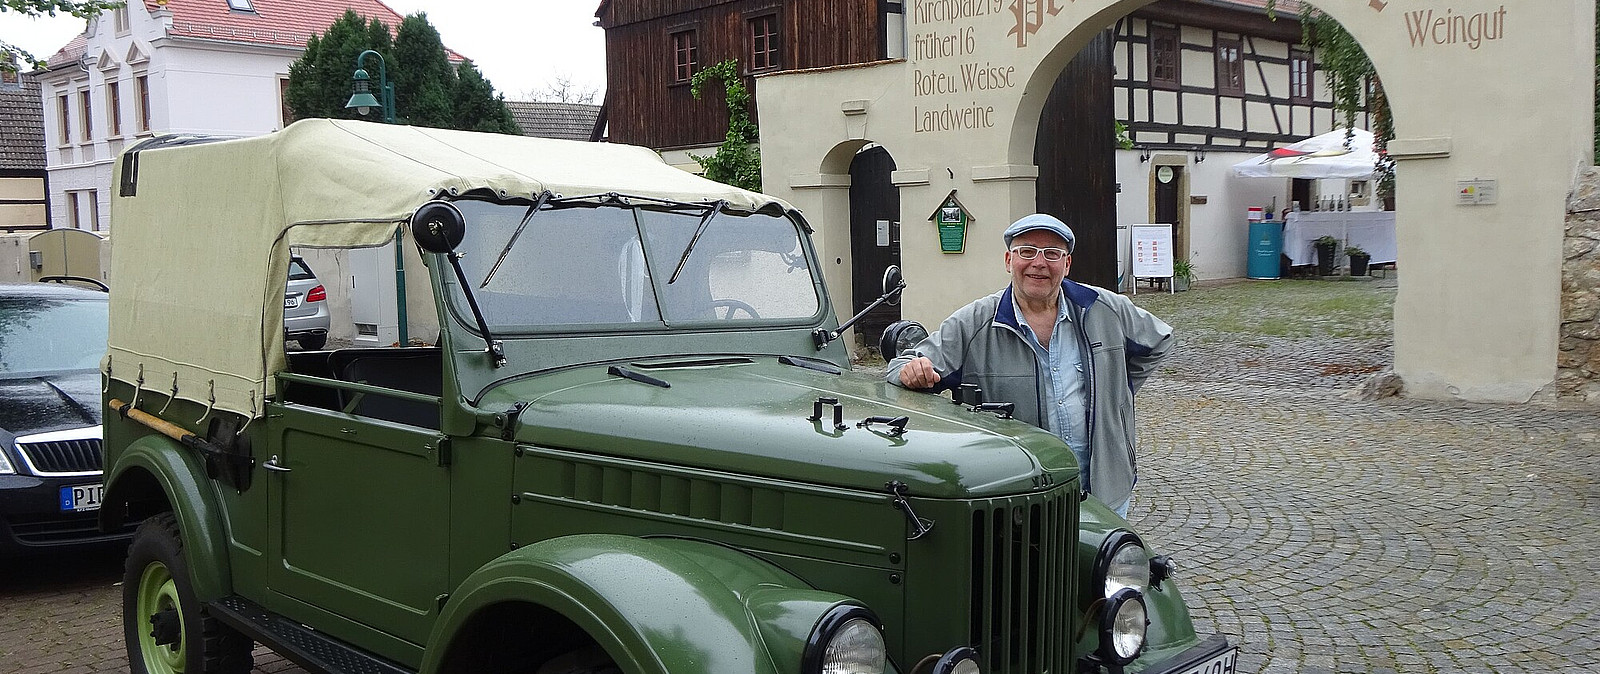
{"points": [[636, 445]]}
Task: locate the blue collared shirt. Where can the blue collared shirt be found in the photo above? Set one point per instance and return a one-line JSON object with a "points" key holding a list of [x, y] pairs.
{"points": [[1062, 366]]}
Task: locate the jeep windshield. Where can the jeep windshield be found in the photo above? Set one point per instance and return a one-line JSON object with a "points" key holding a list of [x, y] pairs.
{"points": [[586, 267]]}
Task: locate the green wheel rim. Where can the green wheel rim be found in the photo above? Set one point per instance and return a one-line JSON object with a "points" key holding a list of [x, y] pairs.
{"points": [[157, 593]]}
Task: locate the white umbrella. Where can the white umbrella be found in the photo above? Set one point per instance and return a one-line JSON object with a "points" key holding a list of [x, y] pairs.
{"points": [[1324, 156]]}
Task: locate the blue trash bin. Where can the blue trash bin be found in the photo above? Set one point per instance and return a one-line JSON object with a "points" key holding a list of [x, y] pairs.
{"points": [[1266, 244]]}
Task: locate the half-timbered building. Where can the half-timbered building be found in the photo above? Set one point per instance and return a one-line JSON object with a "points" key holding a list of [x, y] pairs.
{"points": [[1199, 84], [654, 48], [1202, 85]]}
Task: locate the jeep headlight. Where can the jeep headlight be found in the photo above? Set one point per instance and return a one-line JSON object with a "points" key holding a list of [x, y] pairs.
{"points": [[845, 641], [1122, 627], [5, 464], [1122, 564]]}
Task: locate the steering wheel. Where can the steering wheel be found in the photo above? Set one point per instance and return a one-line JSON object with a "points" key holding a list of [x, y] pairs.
{"points": [[727, 309]]}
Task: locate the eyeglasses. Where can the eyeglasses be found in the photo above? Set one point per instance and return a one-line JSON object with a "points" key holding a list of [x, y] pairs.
{"points": [[1030, 252]]}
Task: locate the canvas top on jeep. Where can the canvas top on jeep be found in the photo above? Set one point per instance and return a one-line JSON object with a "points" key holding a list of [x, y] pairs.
{"points": [[230, 210]]}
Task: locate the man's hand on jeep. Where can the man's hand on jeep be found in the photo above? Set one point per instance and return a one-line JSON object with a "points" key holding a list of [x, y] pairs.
{"points": [[919, 374]]}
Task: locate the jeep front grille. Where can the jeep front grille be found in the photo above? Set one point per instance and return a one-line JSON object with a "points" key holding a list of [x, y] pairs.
{"points": [[68, 457], [1022, 577]]}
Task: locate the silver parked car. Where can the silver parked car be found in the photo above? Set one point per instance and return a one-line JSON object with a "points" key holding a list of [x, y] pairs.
{"points": [[305, 307]]}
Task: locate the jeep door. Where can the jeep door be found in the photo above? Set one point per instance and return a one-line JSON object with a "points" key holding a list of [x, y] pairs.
{"points": [[358, 503]]}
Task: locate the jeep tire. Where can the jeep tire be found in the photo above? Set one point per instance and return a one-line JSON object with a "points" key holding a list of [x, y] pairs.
{"points": [[165, 628]]}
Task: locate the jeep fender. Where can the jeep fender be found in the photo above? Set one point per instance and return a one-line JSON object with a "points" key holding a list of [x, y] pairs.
{"points": [[657, 606], [182, 478]]}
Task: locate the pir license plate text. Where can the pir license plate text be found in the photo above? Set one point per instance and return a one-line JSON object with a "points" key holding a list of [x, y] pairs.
{"points": [[291, 301], [82, 497], [1223, 663]]}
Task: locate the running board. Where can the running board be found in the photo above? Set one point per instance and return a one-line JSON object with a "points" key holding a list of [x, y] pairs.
{"points": [[313, 650]]}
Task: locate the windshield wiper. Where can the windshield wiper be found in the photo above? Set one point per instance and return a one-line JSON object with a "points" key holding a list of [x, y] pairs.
{"points": [[704, 220], [544, 197]]}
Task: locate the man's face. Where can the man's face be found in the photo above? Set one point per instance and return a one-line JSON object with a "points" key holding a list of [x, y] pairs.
{"points": [[1037, 279]]}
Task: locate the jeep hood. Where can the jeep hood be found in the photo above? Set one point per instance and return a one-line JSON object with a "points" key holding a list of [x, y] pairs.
{"points": [[751, 417]]}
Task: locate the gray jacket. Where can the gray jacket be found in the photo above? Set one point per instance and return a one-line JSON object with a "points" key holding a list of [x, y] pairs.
{"points": [[982, 344]]}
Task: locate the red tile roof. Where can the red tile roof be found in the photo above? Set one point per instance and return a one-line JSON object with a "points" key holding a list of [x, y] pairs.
{"points": [[277, 22], [73, 50]]}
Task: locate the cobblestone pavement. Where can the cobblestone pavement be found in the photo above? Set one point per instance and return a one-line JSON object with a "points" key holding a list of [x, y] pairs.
{"points": [[1324, 534]]}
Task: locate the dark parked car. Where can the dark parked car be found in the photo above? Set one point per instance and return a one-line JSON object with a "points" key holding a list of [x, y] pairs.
{"points": [[51, 340]]}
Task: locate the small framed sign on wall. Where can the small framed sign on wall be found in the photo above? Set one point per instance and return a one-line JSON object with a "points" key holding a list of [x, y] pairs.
{"points": [[951, 219]]}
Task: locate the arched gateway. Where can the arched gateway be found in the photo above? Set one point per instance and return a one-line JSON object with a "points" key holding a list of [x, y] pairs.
{"points": [[1480, 89]]}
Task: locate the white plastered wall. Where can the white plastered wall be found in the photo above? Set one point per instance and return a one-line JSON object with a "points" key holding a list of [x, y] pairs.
{"points": [[1516, 110]]}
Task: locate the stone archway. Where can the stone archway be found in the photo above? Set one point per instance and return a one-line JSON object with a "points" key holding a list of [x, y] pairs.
{"points": [[1478, 316]]}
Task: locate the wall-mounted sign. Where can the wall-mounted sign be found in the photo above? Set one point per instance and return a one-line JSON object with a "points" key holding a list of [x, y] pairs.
{"points": [[951, 218], [1165, 174], [1477, 192]]}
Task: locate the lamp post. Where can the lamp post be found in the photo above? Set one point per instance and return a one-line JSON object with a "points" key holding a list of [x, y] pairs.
{"points": [[362, 101]]}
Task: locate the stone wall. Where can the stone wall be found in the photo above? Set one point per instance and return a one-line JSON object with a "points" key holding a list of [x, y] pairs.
{"points": [[1578, 363]]}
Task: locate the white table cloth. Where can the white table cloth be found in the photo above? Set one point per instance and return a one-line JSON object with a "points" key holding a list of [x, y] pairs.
{"points": [[1373, 231]]}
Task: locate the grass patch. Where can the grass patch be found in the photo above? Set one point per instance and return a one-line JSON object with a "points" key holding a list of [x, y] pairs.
{"points": [[1280, 309]]}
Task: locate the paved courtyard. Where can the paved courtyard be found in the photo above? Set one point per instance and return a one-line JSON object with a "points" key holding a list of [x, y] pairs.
{"points": [[1325, 534]]}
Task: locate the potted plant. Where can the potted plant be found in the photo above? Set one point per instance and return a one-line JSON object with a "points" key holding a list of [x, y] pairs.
{"points": [[1182, 274], [1326, 246], [1358, 260]]}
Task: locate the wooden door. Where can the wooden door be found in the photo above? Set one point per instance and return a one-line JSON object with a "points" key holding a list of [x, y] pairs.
{"points": [[1076, 154], [1169, 205], [874, 237]]}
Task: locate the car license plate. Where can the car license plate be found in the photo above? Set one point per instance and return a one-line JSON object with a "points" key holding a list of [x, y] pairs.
{"points": [[291, 301], [82, 497], [1223, 663]]}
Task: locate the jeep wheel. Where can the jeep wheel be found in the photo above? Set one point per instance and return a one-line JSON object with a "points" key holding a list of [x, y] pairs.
{"points": [[165, 628]]}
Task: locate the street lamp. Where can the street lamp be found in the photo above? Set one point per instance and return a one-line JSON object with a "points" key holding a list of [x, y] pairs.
{"points": [[363, 101]]}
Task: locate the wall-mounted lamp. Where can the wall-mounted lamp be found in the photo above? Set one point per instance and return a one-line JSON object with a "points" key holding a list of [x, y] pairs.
{"points": [[1144, 153], [1199, 154]]}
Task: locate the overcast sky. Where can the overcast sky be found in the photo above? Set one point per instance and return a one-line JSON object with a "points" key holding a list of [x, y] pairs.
{"points": [[520, 45]]}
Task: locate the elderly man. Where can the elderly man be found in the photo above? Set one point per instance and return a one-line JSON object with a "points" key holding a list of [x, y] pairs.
{"points": [[1070, 356]]}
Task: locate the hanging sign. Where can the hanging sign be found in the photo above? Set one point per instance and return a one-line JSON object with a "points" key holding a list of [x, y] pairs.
{"points": [[951, 219], [1152, 251]]}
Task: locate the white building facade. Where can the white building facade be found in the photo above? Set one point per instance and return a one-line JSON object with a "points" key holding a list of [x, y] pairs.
{"points": [[131, 76]]}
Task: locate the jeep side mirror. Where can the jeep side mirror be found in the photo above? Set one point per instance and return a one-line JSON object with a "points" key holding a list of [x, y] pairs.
{"points": [[438, 227], [892, 284]]}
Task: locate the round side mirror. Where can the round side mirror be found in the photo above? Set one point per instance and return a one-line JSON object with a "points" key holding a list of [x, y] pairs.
{"points": [[892, 283], [438, 227], [899, 337]]}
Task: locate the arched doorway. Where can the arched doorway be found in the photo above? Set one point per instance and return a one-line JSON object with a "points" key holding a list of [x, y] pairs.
{"points": [[874, 237], [962, 111]]}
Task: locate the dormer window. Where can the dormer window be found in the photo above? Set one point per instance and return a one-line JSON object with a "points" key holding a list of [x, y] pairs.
{"points": [[241, 5]]}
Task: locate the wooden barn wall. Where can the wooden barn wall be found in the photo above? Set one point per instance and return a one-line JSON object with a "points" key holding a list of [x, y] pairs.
{"points": [[1076, 155], [647, 108]]}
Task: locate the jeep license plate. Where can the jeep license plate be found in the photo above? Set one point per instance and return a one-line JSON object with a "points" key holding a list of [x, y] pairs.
{"points": [[1223, 663], [291, 301], [82, 497]]}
